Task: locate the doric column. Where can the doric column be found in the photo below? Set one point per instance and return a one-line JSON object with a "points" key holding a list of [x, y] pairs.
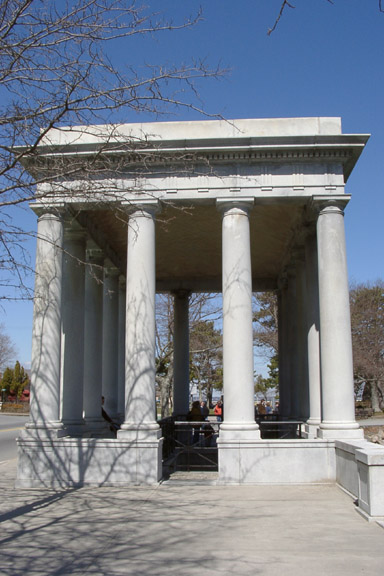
{"points": [[121, 350], [284, 387], [338, 415], [140, 370], [181, 353], [46, 337], [93, 329], [72, 360], [313, 336], [239, 418], [302, 344], [110, 338]]}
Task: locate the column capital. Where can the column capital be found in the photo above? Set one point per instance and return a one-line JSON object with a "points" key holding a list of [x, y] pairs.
{"points": [[332, 204], [240, 205], [73, 231], [110, 270], [41, 209], [122, 282], [94, 254], [142, 207]]}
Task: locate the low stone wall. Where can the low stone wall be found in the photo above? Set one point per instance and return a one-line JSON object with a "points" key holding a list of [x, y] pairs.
{"points": [[360, 470], [277, 462], [62, 462]]}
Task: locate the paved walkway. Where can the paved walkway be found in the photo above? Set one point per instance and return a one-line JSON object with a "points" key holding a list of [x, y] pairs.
{"points": [[185, 528]]}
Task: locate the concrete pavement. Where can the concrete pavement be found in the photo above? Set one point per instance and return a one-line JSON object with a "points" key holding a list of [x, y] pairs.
{"points": [[184, 527]]}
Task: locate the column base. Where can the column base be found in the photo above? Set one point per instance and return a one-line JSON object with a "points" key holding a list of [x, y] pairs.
{"points": [[340, 430], [36, 430], [74, 428], [239, 432], [311, 429], [139, 433]]}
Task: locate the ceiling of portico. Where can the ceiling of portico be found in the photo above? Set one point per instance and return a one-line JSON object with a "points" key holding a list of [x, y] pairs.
{"points": [[188, 243]]}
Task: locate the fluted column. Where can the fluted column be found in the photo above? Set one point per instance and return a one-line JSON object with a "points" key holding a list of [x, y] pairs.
{"points": [[110, 339], [338, 416], [140, 371], [313, 336], [73, 328], [239, 419], [46, 337], [181, 353], [93, 329]]}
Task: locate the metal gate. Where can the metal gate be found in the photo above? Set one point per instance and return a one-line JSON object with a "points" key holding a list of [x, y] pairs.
{"points": [[189, 445]]}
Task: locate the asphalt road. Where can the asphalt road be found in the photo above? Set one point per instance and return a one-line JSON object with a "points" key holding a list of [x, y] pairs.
{"points": [[10, 427]]}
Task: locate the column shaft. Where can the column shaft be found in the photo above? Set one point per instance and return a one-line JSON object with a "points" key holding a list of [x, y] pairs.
{"points": [[313, 336], [338, 413], [121, 350], [292, 345], [302, 344], [140, 369], [110, 340], [93, 328], [239, 417], [73, 329], [46, 337]]}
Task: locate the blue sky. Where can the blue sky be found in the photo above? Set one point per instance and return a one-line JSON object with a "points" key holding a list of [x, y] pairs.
{"points": [[323, 60]]}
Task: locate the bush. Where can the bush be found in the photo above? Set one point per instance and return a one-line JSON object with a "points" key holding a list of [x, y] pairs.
{"points": [[15, 407]]}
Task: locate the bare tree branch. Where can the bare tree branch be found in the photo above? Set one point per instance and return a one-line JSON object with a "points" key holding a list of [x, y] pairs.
{"points": [[283, 6], [61, 64]]}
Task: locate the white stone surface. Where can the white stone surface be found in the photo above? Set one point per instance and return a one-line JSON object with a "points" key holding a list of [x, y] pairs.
{"points": [[81, 461], [313, 336], [277, 462], [72, 340], [46, 337], [93, 329], [338, 406], [370, 463], [140, 407], [206, 129], [110, 349], [239, 418]]}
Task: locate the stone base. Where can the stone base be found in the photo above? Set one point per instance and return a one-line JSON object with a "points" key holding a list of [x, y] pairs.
{"points": [[360, 470], [276, 462], [61, 462], [310, 430], [340, 433]]}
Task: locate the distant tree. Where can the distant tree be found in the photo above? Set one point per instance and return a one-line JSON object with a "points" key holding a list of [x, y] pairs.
{"points": [[271, 383], [7, 348], [205, 346], [7, 380], [206, 358], [15, 380], [265, 321], [164, 352], [367, 320]]}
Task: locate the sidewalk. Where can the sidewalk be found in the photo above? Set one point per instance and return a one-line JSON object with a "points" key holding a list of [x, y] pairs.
{"points": [[188, 529]]}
